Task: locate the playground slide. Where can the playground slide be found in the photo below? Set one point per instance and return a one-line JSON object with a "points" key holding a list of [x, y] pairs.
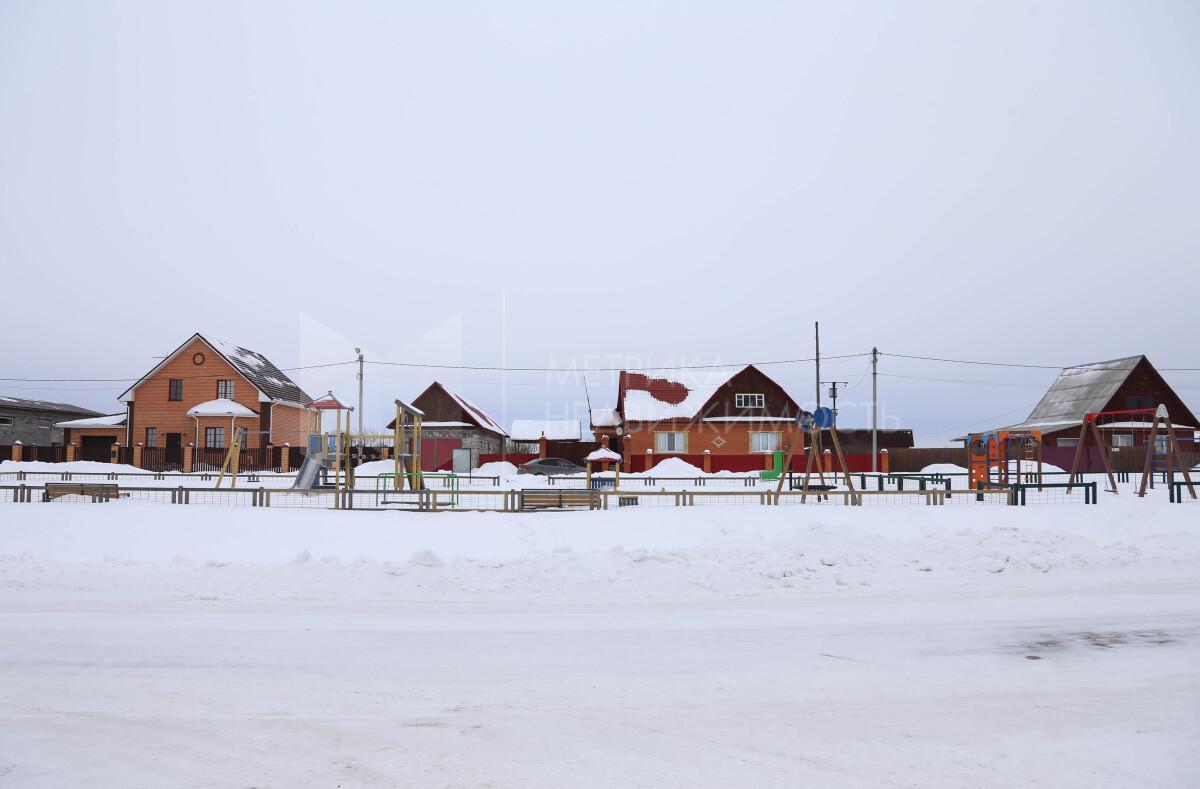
{"points": [[775, 472], [306, 477]]}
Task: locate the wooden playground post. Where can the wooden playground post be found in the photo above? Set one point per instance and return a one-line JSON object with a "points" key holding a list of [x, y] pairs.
{"points": [[1161, 414], [232, 459]]}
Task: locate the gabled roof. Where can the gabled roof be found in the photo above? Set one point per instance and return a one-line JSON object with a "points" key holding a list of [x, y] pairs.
{"points": [[685, 394], [552, 429], [679, 394], [1086, 389], [44, 406], [264, 376], [473, 414]]}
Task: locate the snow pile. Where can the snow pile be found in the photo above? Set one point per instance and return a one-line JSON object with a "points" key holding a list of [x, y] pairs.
{"points": [[76, 467], [496, 468], [675, 467], [658, 552], [1027, 466]]}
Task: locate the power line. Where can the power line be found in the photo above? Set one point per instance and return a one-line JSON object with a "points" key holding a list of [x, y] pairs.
{"points": [[1026, 366], [181, 377], [489, 368]]}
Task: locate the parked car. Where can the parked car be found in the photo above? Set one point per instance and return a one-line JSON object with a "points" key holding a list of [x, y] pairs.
{"points": [[544, 466]]}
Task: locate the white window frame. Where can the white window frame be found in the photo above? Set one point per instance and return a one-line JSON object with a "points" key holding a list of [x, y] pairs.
{"points": [[7, 421], [219, 431], [661, 439], [221, 382], [1121, 440], [152, 436], [749, 400], [778, 442], [44, 421], [1069, 442]]}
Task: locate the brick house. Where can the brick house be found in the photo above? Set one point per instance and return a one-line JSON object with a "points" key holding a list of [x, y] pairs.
{"points": [[739, 419], [452, 422], [204, 390], [36, 422]]}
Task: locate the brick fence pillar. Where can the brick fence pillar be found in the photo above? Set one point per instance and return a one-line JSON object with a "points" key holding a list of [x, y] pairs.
{"points": [[72, 453], [828, 460], [708, 461], [137, 455], [114, 453], [542, 448], [649, 459], [285, 458], [385, 453], [189, 457], [18, 451], [884, 463]]}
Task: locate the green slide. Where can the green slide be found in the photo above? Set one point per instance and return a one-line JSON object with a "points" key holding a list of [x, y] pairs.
{"points": [[775, 472]]}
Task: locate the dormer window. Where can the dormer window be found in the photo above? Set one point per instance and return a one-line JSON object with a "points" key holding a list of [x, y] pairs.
{"points": [[749, 401]]}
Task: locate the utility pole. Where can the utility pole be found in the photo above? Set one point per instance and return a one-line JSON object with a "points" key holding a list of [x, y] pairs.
{"points": [[874, 409], [817, 337], [833, 393], [360, 389]]}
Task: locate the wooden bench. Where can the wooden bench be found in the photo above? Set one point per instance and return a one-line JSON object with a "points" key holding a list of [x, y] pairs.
{"points": [[557, 499], [98, 491]]}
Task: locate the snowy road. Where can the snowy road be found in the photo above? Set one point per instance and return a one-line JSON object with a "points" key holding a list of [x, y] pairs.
{"points": [[864, 690], [151, 645]]}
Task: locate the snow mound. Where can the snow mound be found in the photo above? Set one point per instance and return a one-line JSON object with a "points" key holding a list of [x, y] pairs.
{"points": [[675, 467], [497, 468]]}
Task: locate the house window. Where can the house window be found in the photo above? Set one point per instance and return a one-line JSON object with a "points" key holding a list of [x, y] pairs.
{"points": [[671, 441], [243, 437], [151, 436], [749, 401], [1139, 401], [764, 441], [43, 422], [214, 437], [225, 389], [1122, 439], [6, 421], [175, 389], [1067, 442], [1161, 444]]}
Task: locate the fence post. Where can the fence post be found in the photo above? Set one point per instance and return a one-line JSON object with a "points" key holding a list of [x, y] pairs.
{"points": [[189, 457], [114, 453], [884, 462], [137, 455], [72, 451], [18, 451], [707, 461], [285, 459]]}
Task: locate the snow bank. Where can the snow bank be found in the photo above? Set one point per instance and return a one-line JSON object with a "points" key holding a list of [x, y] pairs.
{"points": [[497, 468], [677, 553], [675, 467], [77, 466], [1026, 466]]}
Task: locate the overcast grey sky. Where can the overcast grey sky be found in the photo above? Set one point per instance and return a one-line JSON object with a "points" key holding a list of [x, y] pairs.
{"points": [[546, 184]]}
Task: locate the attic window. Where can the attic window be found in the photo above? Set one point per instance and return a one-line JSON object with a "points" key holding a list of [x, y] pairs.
{"points": [[749, 401], [225, 389]]}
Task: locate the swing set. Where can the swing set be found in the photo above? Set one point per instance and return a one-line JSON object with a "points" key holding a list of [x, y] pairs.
{"points": [[814, 423], [1132, 421]]}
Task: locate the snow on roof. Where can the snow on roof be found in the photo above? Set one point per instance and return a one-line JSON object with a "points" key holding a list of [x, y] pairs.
{"points": [[1137, 426], [485, 421], [678, 394], [552, 429], [1079, 390], [220, 407], [426, 423], [24, 404], [605, 417], [603, 453], [111, 420]]}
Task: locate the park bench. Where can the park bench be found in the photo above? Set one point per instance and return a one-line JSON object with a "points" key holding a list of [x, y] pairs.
{"points": [[98, 491], [558, 499]]}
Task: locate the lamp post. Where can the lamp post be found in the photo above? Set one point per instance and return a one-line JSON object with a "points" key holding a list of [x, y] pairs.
{"points": [[360, 389]]}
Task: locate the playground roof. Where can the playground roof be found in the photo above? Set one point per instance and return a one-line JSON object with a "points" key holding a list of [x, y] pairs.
{"points": [[328, 402], [603, 453]]}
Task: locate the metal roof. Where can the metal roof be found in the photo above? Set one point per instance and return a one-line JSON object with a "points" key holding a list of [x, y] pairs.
{"points": [[44, 406], [1079, 390]]}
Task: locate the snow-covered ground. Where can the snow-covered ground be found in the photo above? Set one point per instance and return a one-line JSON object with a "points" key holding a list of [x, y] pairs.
{"points": [[155, 645]]}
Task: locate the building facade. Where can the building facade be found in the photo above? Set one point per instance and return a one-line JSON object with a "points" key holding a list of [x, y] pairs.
{"points": [[35, 422], [204, 391], [455, 431]]}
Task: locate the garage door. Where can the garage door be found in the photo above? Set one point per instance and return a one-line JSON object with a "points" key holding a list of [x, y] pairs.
{"points": [[96, 448]]}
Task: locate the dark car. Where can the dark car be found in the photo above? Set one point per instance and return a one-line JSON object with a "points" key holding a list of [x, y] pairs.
{"points": [[544, 466]]}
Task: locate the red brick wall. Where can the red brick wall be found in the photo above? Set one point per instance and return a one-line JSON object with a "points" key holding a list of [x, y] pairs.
{"points": [[701, 435], [151, 408], [288, 425]]}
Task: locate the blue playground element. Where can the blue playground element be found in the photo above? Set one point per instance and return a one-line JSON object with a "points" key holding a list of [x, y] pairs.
{"points": [[823, 417]]}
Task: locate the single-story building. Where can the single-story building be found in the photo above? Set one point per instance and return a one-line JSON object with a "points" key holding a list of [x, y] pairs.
{"points": [[455, 431], [94, 436], [35, 422]]}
